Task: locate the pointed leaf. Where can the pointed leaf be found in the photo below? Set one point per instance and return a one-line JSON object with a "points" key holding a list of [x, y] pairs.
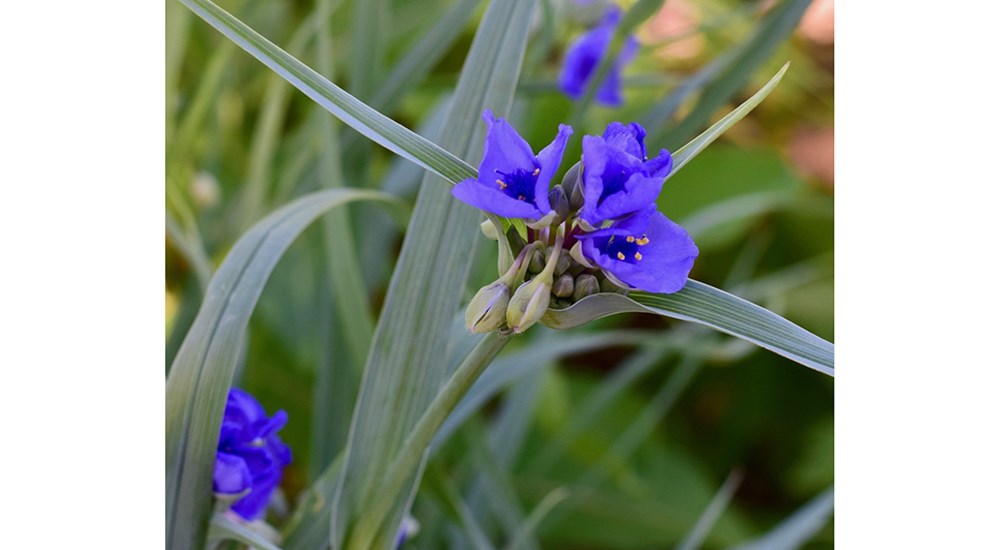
{"points": [[707, 305]]}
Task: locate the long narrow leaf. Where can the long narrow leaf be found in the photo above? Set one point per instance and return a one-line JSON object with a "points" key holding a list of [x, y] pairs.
{"points": [[337, 380], [202, 371], [798, 528], [405, 368], [694, 539], [707, 305]]}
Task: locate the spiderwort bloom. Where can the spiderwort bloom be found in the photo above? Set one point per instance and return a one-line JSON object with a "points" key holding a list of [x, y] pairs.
{"points": [[250, 456], [584, 57], [618, 178], [645, 251], [513, 182]]}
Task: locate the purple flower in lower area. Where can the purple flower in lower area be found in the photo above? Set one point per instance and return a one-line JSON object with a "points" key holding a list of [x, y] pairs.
{"points": [[251, 456], [584, 57], [645, 251], [407, 530], [513, 182], [618, 178]]}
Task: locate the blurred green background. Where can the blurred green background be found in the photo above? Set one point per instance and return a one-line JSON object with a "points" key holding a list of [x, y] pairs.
{"points": [[642, 433]]}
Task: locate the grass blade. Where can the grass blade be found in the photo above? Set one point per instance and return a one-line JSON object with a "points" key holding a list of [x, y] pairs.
{"points": [[713, 511], [354, 324], [202, 371], [798, 528], [534, 519], [376, 126], [366, 46], [405, 369], [707, 305]]}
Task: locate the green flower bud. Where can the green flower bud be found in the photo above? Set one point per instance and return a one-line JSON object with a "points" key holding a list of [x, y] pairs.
{"points": [[529, 303], [560, 203], [585, 285], [563, 287], [489, 230], [564, 261], [531, 300], [537, 262], [487, 309], [607, 285]]}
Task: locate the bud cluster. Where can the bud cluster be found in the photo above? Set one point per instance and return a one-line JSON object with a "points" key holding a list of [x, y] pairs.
{"points": [[544, 275]]}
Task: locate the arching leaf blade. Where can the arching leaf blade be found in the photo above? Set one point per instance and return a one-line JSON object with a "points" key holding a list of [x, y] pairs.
{"points": [[710, 306]]}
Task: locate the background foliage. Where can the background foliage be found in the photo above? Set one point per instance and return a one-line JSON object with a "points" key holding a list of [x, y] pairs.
{"points": [[640, 428]]}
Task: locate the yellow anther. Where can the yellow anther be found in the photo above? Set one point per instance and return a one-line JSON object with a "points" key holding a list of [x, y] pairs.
{"points": [[630, 239], [535, 173], [643, 241], [638, 256], [502, 184], [621, 256]]}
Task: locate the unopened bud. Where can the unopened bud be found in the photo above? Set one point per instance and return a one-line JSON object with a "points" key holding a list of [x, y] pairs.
{"points": [[585, 285], [487, 309], [607, 285], [489, 230], [537, 262], [563, 287], [560, 203], [530, 302], [563, 263], [571, 184]]}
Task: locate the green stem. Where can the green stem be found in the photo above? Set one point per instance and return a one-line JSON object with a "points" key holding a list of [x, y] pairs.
{"points": [[412, 453]]}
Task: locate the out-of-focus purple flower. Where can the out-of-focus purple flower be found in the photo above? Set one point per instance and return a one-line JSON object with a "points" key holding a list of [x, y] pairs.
{"points": [[513, 182], [646, 251], [251, 456], [407, 530], [584, 56], [618, 178]]}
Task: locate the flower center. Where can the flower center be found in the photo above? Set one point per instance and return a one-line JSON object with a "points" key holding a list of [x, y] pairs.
{"points": [[624, 249], [519, 184]]}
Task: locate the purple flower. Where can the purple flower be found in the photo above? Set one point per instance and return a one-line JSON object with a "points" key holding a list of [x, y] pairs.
{"points": [[584, 56], [251, 456], [512, 181], [618, 179], [407, 530], [646, 251]]}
